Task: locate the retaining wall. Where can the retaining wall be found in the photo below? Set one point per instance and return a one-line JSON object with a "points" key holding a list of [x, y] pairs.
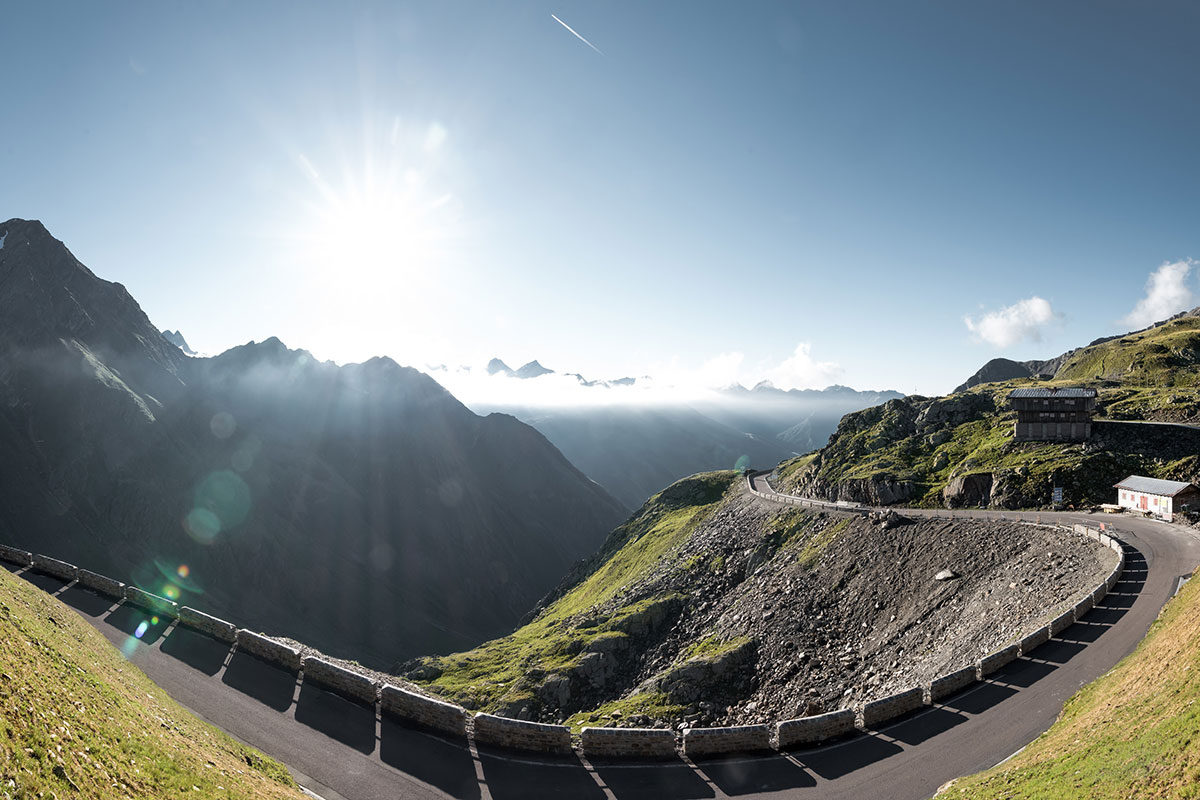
{"points": [[948, 684], [629, 742], [427, 711], [101, 584], [345, 682], [214, 627], [716, 741], [268, 650], [892, 706], [1098, 594], [990, 663], [151, 602], [22, 558], [1035, 640], [807, 730], [55, 568], [1083, 607], [520, 735], [1062, 622]]}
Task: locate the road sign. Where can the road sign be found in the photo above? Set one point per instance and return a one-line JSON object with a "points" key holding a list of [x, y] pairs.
{"points": [[1058, 495]]}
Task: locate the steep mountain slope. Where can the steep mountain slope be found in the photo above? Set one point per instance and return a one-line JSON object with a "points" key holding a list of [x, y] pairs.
{"points": [[633, 450], [1132, 733], [958, 450], [361, 509], [710, 606], [80, 722]]}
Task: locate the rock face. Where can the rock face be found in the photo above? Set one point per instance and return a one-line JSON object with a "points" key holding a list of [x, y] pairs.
{"points": [[361, 509], [969, 490]]}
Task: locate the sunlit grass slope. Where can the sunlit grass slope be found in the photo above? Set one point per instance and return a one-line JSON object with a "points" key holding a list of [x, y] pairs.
{"points": [[495, 675], [1133, 733], [78, 721]]}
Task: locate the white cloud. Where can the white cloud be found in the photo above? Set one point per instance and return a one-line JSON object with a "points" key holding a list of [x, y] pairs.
{"points": [[1011, 324], [1167, 293], [801, 371]]}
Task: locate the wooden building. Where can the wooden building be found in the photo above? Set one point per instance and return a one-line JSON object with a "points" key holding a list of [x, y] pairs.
{"points": [[1163, 499], [1053, 414]]}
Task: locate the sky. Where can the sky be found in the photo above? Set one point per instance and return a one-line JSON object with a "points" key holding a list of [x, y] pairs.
{"points": [[884, 195]]}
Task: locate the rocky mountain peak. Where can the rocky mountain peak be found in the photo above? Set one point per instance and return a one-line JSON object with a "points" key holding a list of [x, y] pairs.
{"points": [[496, 365]]}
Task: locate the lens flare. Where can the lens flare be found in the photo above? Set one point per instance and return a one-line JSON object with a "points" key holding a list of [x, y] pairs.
{"points": [[183, 571], [171, 591], [142, 627], [222, 425]]}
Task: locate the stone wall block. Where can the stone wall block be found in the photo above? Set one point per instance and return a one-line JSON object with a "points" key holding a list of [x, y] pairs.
{"points": [[346, 682], [1062, 622], [101, 584], [990, 663], [520, 735], [268, 650], [55, 568], [22, 558], [892, 706], [214, 627], [629, 742], [808, 730], [1035, 640], [425, 711], [952, 682], [736, 739], [151, 602]]}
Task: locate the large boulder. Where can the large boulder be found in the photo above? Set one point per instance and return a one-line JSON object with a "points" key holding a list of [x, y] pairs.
{"points": [[974, 489]]}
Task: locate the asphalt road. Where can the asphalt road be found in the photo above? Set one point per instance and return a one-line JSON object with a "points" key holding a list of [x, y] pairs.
{"points": [[339, 749]]}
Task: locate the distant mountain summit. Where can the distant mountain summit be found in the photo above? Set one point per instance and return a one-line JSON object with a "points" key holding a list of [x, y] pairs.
{"points": [[360, 508], [496, 366], [176, 338], [533, 370]]}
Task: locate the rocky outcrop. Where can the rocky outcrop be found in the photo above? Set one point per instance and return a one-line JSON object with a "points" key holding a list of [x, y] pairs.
{"points": [[974, 489], [716, 679]]}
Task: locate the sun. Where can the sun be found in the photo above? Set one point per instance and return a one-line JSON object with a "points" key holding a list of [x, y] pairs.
{"points": [[386, 218]]}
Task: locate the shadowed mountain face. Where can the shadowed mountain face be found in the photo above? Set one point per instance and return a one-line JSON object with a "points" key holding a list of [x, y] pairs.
{"points": [[635, 450], [362, 509]]}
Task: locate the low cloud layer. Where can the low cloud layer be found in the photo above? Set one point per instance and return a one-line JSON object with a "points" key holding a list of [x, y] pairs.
{"points": [[1006, 326], [801, 371], [670, 383], [1167, 293]]}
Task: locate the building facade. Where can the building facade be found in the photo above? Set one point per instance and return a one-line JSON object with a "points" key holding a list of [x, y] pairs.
{"points": [[1053, 414], [1163, 499]]}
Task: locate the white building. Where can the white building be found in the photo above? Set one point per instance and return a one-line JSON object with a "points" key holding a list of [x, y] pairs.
{"points": [[1161, 498]]}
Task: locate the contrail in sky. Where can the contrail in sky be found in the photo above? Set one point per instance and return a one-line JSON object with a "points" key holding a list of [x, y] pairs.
{"points": [[577, 36]]}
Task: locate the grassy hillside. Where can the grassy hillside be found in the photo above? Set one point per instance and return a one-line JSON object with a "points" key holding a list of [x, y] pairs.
{"points": [[1131, 733], [959, 450], [496, 676], [79, 721]]}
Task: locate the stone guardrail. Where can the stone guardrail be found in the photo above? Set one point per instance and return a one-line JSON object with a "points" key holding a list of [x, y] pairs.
{"points": [[515, 734], [426, 711], [628, 742], [22, 558], [890, 707], [268, 650], [952, 682], [518, 734], [809, 730], [101, 584], [151, 602], [55, 568], [347, 683], [719, 741], [205, 623]]}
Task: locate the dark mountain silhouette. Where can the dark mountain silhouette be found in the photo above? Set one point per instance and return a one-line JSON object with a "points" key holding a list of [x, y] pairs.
{"points": [[361, 509]]}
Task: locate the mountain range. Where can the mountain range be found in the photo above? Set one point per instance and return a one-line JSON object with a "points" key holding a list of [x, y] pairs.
{"points": [[361, 508]]}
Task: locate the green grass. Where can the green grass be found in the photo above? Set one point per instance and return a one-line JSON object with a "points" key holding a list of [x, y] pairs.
{"points": [[1135, 732], [505, 671], [655, 706], [711, 647], [79, 721]]}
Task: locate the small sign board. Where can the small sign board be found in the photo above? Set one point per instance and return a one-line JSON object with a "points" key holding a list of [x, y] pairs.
{"points": [[1057, 498]]}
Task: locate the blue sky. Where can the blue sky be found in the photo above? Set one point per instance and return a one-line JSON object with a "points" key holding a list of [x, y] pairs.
{"points": [[811, 192]]}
